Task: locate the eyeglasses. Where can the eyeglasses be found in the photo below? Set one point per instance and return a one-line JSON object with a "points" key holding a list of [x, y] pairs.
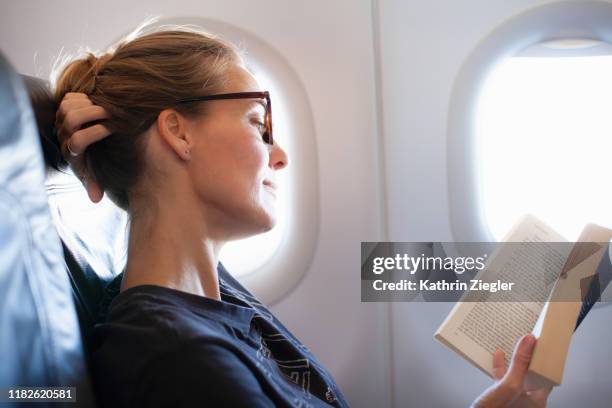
{"points": [[267, 136]]}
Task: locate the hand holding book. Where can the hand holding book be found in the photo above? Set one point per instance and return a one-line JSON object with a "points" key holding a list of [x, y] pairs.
{"points": [[509, 389], [559, 283]]}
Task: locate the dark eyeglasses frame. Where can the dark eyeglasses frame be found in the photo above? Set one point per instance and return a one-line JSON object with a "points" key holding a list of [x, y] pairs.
{"points": [[267, 136]]}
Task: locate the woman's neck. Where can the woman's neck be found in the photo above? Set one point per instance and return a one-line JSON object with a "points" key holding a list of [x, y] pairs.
{"points": [[173, 250]]}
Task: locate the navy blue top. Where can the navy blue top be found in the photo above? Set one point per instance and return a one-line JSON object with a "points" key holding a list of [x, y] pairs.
{"points": [[164, 347]]}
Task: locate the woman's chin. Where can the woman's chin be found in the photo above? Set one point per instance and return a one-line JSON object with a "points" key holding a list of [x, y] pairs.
{"points": [[264, 221], [270, 221], [268, 212]]}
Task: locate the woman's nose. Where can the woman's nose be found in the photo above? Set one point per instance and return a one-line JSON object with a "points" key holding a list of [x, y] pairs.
{"points": [[278, 157]]}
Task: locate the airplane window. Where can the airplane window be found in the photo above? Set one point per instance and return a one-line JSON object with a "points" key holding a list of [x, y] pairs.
{"points": [[544, 137]]}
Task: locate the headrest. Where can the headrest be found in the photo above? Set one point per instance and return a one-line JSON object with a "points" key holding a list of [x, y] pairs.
{"points": [[39, 334], [44, 107]]}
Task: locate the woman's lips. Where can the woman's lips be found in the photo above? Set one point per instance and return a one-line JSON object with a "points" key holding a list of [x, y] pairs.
{"points": [[270, 186], [270, 183]]}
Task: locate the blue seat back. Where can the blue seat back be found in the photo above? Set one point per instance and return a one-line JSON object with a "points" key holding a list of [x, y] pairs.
{"points": [[40, 340]]}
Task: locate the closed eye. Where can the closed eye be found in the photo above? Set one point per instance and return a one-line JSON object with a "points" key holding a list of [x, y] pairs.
{"points": [[260, 126]]}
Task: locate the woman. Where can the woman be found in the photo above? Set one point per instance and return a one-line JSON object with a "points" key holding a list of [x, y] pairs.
{"points": [[179, 134]]}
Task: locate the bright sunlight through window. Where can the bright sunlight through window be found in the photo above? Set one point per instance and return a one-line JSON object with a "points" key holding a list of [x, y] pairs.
{"points": [[544, 129], [246, 255]]}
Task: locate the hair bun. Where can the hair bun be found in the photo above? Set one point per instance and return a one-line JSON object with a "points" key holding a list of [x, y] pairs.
{"points": [[80, 75], [97, 65]]}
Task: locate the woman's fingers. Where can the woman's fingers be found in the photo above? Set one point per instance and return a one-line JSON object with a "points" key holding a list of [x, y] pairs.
{"points": [[68, 105], [509, 382], [81, 139], [76, 118], [76, 110], [521, 359], [94, 191], [539, 397], [76, 95], [499, 364], [70, 101]]}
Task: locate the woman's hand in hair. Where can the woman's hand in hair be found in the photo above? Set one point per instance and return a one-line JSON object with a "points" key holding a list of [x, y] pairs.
{"points": [[75, 111], [509, 389]]}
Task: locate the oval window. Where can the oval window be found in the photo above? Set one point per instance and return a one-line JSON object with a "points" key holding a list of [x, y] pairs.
{"points": [[528, 126], [544, 137]]}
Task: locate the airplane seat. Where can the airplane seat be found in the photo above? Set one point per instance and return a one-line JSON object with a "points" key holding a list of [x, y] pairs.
{"points": [[40, 341]]}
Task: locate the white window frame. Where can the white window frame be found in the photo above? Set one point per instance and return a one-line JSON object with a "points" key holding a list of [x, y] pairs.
{"points": [[590, 20]]}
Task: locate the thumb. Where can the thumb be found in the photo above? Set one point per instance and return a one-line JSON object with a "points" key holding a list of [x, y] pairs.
{"points": [[94, 190], [520, 360]]}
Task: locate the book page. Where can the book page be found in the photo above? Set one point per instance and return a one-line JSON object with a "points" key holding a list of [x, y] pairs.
{"points": [[477, 328]]}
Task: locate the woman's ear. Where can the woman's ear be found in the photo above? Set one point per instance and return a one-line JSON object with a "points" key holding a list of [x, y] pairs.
{"points": [[173, 129]]}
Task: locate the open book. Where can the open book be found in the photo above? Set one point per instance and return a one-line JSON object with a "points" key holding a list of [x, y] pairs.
{"points": [[564, 280]]}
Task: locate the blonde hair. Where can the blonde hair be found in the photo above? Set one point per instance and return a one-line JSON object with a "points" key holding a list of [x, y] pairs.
{"points": [[144, 75]]}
